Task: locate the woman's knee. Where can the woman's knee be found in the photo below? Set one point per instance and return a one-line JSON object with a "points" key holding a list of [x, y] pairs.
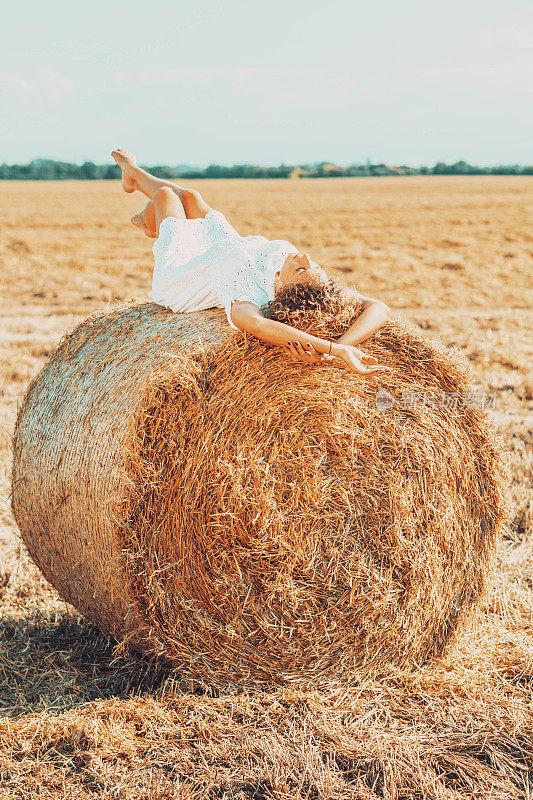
{"points": [[167, 201], [164, 195], [167, 204], [194, 204]]}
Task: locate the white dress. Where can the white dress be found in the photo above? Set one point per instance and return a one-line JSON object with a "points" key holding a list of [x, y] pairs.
{"points": [[205, 263]]}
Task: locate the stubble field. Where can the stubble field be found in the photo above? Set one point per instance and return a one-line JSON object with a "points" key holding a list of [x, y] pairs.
{"points": [[453, 256]]}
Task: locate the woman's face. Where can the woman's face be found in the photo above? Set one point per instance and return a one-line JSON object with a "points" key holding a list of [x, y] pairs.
{"points": [[298, 268]]}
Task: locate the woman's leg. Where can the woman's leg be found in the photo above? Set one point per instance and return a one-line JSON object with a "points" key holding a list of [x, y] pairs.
{"points": [[164, 204], [145, 220], [133, 177]]}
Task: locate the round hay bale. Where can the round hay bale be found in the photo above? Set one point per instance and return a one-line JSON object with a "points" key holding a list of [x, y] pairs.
{"points": [[251, 519]]}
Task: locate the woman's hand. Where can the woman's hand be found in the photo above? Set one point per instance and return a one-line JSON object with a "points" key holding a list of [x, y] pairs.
{"points": [[304, 353], [356, 360], [299, 345]]}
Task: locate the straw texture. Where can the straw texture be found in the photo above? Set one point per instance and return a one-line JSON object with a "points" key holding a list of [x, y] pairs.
{"points": [[69, 451], [251, 519]]}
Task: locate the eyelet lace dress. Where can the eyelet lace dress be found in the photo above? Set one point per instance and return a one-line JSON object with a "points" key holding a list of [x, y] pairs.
{"points": [[205, 263]]}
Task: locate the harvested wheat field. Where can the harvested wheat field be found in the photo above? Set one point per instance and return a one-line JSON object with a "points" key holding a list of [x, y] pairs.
{"points": [[453, 257]]}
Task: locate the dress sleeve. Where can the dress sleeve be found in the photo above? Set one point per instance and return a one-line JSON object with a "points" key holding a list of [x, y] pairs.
{"points": [[239, 284]]}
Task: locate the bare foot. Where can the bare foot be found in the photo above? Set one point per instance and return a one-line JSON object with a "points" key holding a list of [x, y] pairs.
{"points": [[128, 164], [142, 221]]}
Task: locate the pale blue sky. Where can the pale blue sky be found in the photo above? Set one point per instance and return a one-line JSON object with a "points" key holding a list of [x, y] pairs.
{"points": [[282, 80]]}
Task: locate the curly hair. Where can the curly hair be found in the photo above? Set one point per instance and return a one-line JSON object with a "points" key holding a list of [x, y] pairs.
{"points": [[316, 308]]}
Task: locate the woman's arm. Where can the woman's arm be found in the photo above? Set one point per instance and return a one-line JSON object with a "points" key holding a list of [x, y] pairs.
{"points": [[375, 314], [248, 317]]}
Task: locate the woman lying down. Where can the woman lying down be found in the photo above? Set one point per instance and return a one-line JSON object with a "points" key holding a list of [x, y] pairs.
{"points": [[200, 261]]}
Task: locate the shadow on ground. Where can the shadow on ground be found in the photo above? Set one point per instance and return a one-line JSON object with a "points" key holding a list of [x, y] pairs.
{"points": [[59, 661]]}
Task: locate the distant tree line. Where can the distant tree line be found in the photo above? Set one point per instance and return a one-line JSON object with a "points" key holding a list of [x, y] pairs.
{"points": [[48, 170]]}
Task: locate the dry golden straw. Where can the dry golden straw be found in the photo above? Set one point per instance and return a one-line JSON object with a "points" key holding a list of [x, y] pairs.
{"points": [[250, 519]]}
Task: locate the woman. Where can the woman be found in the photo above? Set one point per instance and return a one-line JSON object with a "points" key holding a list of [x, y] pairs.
{"points": [[201, 261]]}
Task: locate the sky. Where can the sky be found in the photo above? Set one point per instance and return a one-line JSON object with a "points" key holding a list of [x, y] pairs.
{"points": [[294, 81]]}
